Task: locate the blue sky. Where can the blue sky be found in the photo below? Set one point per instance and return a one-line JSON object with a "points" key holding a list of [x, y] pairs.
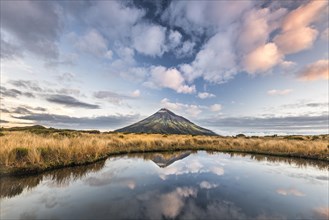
{"points": [[253, 67]]}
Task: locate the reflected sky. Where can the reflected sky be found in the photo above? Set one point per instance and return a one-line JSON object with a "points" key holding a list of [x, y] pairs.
{"points": [[179, 185]]}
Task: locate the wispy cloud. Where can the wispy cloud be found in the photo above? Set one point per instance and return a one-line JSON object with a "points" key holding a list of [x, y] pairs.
{"points": [[279, 92], [205, 95], [14, 93], [315, 71], [104, 122], [70, 101]]}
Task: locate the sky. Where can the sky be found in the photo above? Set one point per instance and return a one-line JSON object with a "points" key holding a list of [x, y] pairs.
{"points": [[252, 67]]}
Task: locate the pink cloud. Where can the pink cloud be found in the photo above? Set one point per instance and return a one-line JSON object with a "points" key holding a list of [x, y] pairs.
{"points": [[279, 92], [296, 34], [262, 58], [315, 71]]}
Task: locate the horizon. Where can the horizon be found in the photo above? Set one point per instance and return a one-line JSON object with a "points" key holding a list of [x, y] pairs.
{"points": [[107, 64]]}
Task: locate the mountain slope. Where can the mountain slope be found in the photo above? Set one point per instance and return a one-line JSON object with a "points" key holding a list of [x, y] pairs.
{"points": [[166, 122]]}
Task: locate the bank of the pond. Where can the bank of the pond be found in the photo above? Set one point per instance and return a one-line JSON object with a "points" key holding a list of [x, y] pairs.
{"points": [[24, 153]]}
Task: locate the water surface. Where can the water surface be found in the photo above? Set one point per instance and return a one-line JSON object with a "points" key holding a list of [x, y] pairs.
{"points": [[180, 185]]}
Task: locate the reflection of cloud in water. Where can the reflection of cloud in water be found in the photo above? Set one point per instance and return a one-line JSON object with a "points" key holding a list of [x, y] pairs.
{"points": [[214, 210], [103, 181], [168, 205], [207, 185], [192, 165], [217, 170], [321, 212], [49, 201], [290, 191]]}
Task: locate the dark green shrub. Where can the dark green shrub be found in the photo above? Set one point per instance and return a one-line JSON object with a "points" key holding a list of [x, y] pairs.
{"points": [[20, 153]]}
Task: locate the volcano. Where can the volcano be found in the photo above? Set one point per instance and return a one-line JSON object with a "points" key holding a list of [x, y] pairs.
{"points": [[165, 121]]}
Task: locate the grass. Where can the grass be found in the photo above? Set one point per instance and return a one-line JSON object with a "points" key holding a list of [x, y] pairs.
{"points": [[39, 149]]}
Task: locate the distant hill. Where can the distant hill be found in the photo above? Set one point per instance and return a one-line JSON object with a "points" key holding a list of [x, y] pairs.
{"points": [[166, 122]]}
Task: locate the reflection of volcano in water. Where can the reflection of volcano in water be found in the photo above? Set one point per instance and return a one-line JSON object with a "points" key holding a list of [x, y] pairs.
{"points": [[165, 159]]}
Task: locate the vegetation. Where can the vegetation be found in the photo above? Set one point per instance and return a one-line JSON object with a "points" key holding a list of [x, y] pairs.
{"points": [[37, 149]]}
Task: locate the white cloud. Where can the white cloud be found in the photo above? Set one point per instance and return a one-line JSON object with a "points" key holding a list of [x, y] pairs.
{"points": [[136, 93], [194, 17], [93, 43], [113, 18], [174, 38], [191, 110], [186, 50], [205, 95], [109, 54], [169, 78], [215, 62], [149, 39], [215, 107], [279, 92], [287, 65]]}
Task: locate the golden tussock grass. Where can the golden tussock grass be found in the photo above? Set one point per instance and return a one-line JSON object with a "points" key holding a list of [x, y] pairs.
{"points": [[23, 151]]}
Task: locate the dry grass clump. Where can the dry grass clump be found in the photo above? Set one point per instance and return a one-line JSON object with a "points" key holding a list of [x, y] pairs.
{"points": [[27, 151]]}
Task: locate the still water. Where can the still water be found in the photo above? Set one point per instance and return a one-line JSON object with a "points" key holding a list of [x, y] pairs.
{"points": [[180, 185]]}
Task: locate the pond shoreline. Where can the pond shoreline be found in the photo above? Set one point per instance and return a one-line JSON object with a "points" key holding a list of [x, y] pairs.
{"points": [[30, 171], [27, 152]]}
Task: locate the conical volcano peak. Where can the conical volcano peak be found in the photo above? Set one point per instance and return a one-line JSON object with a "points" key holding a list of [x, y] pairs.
{"points": [[165, 121], [164, 110]]}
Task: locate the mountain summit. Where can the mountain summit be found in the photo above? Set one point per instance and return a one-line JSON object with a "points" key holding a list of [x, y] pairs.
{"points": [[166, 122]]}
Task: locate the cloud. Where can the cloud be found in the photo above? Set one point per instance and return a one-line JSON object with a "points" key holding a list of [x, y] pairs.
{"points": [[9, 50], [93, 43], [68, 91], [15, 93], [149, 39], [286, 65], [304, 123], [174, 38], [215, 107], [24, 109], [186, 50], [262, 58], [315, 71], [135, 93], [199, 17], [325, 34], [205, 95], [264, 21], [66, 77], [215, 62], [64, 121], [70, 101], [34, 25], [279, 92], [296, 34], [192, 110], [26, 84], [114, 19], [296, 40], [171, 78], [114, 97]]}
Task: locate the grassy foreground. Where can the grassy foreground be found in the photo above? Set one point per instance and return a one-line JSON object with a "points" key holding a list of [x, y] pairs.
{"points": [[37, 150]]}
